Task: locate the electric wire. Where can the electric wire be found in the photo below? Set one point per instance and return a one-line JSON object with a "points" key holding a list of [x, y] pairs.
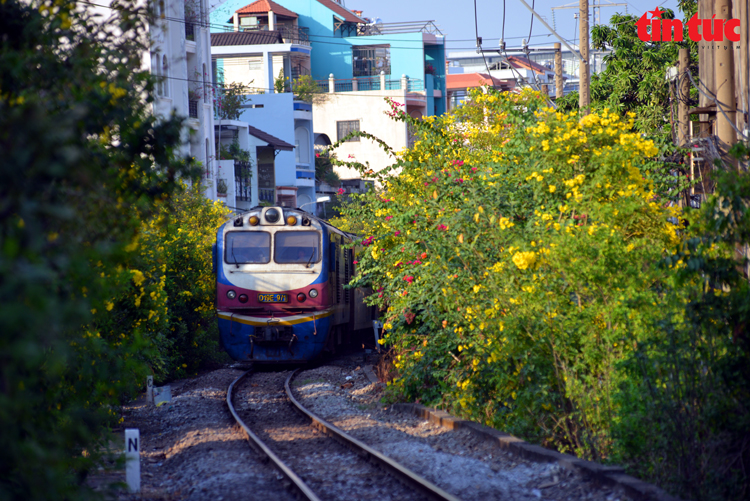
{"points": [[479, 45]]}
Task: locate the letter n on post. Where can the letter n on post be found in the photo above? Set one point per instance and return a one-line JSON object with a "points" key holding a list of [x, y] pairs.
{"points": [[133, 460]]}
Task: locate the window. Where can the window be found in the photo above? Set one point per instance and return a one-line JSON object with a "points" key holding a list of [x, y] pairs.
{"points": [[205, 84], [300, 247], [165, 75], [302, 145], [247, 247], [370, 60], [345, 127]]}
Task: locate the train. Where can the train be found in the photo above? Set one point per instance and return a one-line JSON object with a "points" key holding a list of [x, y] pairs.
{"points": [[280, 295]]}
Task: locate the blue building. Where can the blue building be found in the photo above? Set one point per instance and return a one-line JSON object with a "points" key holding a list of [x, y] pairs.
{"points": [[358, 63]]}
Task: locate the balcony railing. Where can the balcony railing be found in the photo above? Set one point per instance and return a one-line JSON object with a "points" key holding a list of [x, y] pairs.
{"points": [[242, 181], [266, 195], [372, 83], [192, 109], [404, 27]]}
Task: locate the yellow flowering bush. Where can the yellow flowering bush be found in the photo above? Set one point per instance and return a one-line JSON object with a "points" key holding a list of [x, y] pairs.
{"points": [[511, 249]]}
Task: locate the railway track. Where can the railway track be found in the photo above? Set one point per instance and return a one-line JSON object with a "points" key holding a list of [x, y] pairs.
{"points": [[314, 465]]}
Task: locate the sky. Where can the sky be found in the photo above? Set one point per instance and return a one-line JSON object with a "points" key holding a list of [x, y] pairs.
{"points": [[455, 18]]}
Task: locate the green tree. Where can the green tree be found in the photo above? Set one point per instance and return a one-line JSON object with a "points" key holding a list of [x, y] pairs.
{"points": [[83, 164]]}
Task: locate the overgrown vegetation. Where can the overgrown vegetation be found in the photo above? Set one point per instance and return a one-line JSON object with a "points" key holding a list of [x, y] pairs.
{"points": [[534, 280], [93, 298]]}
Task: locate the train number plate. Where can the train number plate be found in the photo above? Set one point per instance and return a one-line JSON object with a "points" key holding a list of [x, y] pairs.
{"points": [[273, 298]]}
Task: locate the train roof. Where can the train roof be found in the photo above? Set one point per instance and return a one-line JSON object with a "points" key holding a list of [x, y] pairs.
{"points": [[311, 216]]}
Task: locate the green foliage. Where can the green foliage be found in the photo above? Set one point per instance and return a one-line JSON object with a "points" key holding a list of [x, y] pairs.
{"points": [[79, 175], [530, 281], [229, 99], [634, 81], [281, 83], [233, 151], [175, 252], [685, 407], [324, 172], [307, 89]]}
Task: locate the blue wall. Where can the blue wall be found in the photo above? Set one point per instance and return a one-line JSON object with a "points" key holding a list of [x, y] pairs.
{"points": [[333, 54], [276, 118]]}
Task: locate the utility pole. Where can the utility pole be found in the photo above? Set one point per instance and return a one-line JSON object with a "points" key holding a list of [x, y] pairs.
{"points": [[584, 98], [725, 100], [558, 71], [683, 93]]}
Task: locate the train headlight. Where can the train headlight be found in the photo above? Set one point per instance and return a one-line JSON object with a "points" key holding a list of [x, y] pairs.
{"points": [[253, 220], [313, 293], [243, 298], [291, 220], [231, 294], [301, 297], [272, 216]]}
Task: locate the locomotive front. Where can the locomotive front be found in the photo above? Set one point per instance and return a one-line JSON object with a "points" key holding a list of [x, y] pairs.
{"points": [[273, 299]]}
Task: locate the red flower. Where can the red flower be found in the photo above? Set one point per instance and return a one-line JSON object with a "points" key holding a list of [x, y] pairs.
{"points": [[317, 155], [424, 255], [341, 191], [397, 233], [409, 278], [356, 262], [388, 218]]}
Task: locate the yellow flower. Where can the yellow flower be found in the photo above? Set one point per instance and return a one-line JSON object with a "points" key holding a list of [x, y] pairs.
{"points": [[524, 260], [552, 188]]}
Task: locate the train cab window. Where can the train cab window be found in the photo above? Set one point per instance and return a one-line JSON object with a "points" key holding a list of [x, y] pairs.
{"points": [[300, 247], [247, 247]]}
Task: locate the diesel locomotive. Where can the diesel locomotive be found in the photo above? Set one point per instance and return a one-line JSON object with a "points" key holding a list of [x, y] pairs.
{"points": [[280, 276]]}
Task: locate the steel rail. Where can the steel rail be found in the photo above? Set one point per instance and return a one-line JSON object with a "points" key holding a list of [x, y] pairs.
{"points": [[256, 442], [404, 474]]}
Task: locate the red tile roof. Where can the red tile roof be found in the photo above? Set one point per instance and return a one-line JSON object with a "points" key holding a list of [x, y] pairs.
{"points": [[460, 81], [263, 6], [343, 13]]}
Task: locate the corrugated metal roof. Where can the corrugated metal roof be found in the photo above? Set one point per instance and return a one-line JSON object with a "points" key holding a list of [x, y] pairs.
{"points": [[277, 143], [245, 38], [263, 6]]}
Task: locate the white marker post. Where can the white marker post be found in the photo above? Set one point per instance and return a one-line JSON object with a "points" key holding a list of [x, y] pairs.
{"points": [[150, 389], [133, 460]]}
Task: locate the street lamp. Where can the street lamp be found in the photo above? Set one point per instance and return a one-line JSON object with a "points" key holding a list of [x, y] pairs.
{"points": [[319, 200]]}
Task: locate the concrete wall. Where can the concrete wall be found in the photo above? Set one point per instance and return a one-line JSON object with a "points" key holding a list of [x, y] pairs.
{"points": [[370, 108]]}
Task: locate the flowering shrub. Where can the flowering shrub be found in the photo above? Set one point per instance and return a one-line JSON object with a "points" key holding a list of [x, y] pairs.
{"points": [[512, 253]]}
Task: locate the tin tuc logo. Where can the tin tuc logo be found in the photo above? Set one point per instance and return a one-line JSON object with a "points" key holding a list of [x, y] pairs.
{"points": [[672, 30]]}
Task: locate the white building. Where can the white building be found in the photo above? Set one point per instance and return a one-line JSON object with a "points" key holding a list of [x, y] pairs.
{"points": [[181, 57]]}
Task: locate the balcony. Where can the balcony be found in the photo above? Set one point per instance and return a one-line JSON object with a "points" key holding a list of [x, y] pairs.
{"points": [[371, 83]]}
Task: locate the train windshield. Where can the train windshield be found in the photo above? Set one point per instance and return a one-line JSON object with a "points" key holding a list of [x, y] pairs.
{"points": [[247, 247], [301, 247]]}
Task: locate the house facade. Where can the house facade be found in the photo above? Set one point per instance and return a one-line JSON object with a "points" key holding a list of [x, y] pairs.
{"points": [[357, 64], [262, 47], [180, 57]]}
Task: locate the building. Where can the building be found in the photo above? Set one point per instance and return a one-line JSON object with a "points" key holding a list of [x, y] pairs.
{"points": [[357, 63], [264, 48], [535, 67], [180, 56]]}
